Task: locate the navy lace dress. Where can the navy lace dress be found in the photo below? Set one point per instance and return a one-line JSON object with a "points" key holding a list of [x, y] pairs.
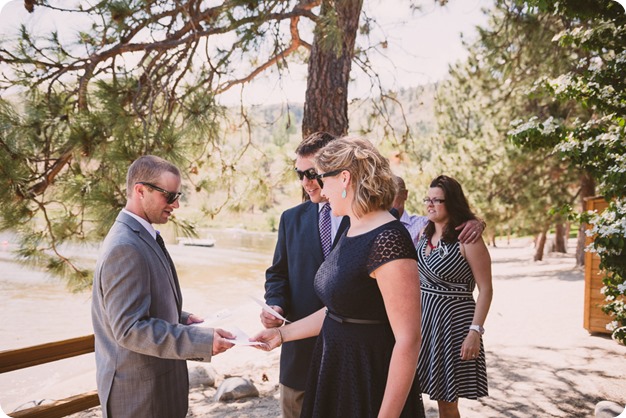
{"points": [[350, 364]]}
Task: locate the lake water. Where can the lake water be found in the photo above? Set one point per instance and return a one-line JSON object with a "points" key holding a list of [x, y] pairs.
{"points": [[216, 282]]}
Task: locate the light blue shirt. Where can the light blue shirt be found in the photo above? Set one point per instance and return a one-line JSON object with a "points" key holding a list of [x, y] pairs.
{"points": [[414, 224]]}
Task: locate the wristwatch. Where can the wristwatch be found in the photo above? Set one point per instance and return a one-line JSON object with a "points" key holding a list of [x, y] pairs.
{"points": [[477, 328]]}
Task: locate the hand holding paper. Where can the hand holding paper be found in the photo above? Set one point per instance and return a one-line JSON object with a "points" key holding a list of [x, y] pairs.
{"points": [[269, 309], [222, 340], [268, 339], [241, 338]]}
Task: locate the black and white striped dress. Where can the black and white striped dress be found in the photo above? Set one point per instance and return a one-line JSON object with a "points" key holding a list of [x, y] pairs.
{"points": [[448, 308]]}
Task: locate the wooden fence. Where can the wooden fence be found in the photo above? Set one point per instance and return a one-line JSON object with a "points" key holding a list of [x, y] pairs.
{"points": [[11, 360]]}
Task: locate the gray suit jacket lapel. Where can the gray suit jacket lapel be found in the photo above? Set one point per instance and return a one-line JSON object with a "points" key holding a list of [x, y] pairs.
{"points": [[145, 236]]}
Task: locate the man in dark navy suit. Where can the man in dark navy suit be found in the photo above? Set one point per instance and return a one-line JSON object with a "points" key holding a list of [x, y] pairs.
{"points": [[289, 281]]}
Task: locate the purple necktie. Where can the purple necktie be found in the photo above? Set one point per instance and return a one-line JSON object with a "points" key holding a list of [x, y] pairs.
{"points": [[325, 229]]}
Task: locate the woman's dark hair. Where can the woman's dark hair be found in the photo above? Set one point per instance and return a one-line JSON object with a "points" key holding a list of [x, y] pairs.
{"points": [[456, 205]]}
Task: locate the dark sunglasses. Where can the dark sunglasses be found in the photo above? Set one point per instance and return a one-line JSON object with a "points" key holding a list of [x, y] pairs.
{"points": [[311, 174], [170, 197], [320, 176]]}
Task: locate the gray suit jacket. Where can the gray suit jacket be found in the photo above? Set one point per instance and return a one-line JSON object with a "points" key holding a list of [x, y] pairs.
{"points": [[141, 342]]}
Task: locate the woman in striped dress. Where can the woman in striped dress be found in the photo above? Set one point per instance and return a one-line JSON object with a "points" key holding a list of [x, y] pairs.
{"points": [[452, 357]]}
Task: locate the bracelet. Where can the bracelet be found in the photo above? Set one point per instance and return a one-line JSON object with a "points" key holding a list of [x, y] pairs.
{"points": [[280, 334]]}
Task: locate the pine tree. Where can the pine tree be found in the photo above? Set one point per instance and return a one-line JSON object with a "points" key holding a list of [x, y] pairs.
{"points": [[145, 76], [516, 188]]}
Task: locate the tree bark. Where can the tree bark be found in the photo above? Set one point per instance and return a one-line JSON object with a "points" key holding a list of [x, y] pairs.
{"points": [[326, 100], [587, 189], [540, 244], [559, 238]]}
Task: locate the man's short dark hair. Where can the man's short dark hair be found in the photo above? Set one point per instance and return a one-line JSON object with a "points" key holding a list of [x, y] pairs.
{"points": [[313, 143], [148, 168]]}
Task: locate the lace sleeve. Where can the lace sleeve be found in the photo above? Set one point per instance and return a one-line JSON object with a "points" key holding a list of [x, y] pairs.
{"points": [[391, 244]]}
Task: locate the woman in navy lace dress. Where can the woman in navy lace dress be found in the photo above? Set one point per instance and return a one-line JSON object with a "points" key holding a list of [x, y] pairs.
{"points": [[367, 350]]}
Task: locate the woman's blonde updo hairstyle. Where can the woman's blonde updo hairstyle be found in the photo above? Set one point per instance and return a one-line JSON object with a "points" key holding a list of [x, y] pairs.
{"points": [[371, 177]]}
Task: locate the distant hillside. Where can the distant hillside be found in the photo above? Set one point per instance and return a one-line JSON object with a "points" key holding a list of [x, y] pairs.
{"points": [[411, 107]]}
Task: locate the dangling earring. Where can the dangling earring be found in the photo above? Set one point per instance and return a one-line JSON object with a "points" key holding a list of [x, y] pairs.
{"points": [[344, 194]]}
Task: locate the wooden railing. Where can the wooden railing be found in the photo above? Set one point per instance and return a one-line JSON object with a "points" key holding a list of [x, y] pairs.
{"points": [[39, 354]]}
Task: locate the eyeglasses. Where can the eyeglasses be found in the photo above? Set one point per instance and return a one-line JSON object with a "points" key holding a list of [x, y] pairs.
{"points": [[170, 197], [311, 174], [433, 201], [320, 176]]}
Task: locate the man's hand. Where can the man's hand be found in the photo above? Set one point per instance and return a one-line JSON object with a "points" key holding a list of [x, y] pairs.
{"points": [[220, 340], [471, 231], [193, 319], [270, 321]]}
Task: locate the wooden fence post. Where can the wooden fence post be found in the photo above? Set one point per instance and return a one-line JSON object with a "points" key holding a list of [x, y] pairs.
{"points": [[594, 319]]}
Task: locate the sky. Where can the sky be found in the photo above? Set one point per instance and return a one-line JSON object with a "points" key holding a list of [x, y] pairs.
{"points": [[421, 47]]}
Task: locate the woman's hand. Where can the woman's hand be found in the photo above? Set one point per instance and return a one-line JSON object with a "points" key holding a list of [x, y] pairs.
{"points": [[470, 349], [304, 328], [271, 338]]}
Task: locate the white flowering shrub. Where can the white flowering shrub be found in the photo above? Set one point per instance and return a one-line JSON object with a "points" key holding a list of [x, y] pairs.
{"points": [[595, 141]]}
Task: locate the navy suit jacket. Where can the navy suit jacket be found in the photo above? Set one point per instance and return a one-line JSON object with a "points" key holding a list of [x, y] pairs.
{"points": [[289, 283]]}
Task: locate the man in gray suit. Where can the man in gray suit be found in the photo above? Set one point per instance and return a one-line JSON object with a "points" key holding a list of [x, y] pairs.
{"points": [[143, 338]]}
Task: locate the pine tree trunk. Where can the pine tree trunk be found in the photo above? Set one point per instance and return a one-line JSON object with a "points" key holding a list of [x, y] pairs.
{"points": [[587, 189], [540, 244], [326, 101], [559, 238]]}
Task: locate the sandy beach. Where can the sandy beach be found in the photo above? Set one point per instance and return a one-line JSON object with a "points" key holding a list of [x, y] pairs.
{"points": [[541, 361]]}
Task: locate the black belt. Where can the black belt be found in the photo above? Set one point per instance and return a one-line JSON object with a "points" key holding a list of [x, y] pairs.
{"points": [[341, 319]]}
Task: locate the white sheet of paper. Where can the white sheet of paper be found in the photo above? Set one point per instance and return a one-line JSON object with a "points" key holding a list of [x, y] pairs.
{"points": [[211, 319], [219, 315], [267, 308], [241, 338]]}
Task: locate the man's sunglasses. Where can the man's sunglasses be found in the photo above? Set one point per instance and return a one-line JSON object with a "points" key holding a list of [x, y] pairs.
{"points": [[311, 174], [170, 197]]}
